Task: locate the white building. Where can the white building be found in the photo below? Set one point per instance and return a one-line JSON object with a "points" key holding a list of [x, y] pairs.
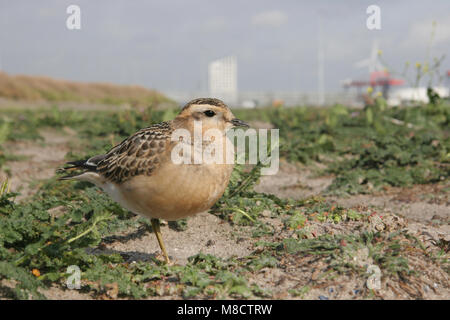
{"points": [[411, 95], [222, 79]]}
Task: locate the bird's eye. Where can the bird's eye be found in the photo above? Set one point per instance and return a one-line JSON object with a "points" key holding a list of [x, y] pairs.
{"points": [[209, 113]]}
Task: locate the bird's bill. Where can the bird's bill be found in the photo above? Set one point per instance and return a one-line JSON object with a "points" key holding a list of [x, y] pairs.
{"points": [[239, 123]]}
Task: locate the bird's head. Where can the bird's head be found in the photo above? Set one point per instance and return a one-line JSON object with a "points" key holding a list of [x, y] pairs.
{"points": [[212, 113]]}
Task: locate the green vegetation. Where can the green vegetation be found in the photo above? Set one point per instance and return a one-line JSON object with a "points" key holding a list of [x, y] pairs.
{"points": [[46, 235], [62, 224], [66, 223], [368, 149]]}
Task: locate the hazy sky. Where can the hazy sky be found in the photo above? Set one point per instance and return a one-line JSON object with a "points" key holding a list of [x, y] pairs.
{"points": [[168, 44]]}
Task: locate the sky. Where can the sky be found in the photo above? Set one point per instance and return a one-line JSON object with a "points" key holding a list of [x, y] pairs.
{"points": [[167, 45]]}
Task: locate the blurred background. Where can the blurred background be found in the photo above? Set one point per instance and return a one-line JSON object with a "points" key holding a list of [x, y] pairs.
{"points": [[250, 54]]}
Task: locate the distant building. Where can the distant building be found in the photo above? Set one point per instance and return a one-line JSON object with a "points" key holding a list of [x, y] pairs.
{"points": [[412, 95], [222, 79]]}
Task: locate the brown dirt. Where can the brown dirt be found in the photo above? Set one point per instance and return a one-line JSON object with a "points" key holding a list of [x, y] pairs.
{"points": [[206, 233], [427, 204], [38, 89], [293, 181], [42, 158]]}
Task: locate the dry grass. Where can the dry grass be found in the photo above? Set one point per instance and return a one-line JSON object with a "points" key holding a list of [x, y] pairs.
{"points": [[35, 88]]}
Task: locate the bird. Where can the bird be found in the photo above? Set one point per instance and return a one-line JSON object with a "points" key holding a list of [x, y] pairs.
{"points": [[139, 173]]}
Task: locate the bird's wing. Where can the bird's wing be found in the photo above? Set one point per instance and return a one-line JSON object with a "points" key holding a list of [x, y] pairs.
{"points": [[140, 154]]}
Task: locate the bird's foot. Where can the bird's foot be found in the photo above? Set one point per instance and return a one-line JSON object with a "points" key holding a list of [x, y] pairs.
{"points": [[163, 260]]}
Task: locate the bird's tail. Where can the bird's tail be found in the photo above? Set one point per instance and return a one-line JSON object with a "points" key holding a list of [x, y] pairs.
{"points": [[88, 165]]}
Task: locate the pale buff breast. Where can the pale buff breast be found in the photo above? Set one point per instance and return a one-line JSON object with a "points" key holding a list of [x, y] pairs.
{"points": [[176, 191]]}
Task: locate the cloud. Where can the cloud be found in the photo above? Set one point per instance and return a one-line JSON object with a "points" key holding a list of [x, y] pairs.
{"points": [[273, 18], [420, 32], [215, 24]]}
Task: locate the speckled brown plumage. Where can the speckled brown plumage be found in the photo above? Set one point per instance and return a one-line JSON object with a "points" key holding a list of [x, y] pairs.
{"points": [[140, 154]]}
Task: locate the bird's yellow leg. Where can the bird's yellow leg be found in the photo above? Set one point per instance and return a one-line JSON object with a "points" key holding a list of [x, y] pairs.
{"points": [[157, 231]]}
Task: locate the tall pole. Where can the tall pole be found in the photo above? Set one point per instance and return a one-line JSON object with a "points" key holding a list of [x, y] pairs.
{"points": [[320, 65]]}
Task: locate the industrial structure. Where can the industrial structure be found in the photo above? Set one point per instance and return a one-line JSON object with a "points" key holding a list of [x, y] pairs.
{"points": [[379, 78]]}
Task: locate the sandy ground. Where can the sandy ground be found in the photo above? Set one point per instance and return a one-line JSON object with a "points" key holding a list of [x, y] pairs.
{"points": [[206, 233], [296, 181], [42, 158]]}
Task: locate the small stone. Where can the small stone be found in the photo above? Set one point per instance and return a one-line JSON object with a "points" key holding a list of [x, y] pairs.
{"points": [[323, 297]]}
